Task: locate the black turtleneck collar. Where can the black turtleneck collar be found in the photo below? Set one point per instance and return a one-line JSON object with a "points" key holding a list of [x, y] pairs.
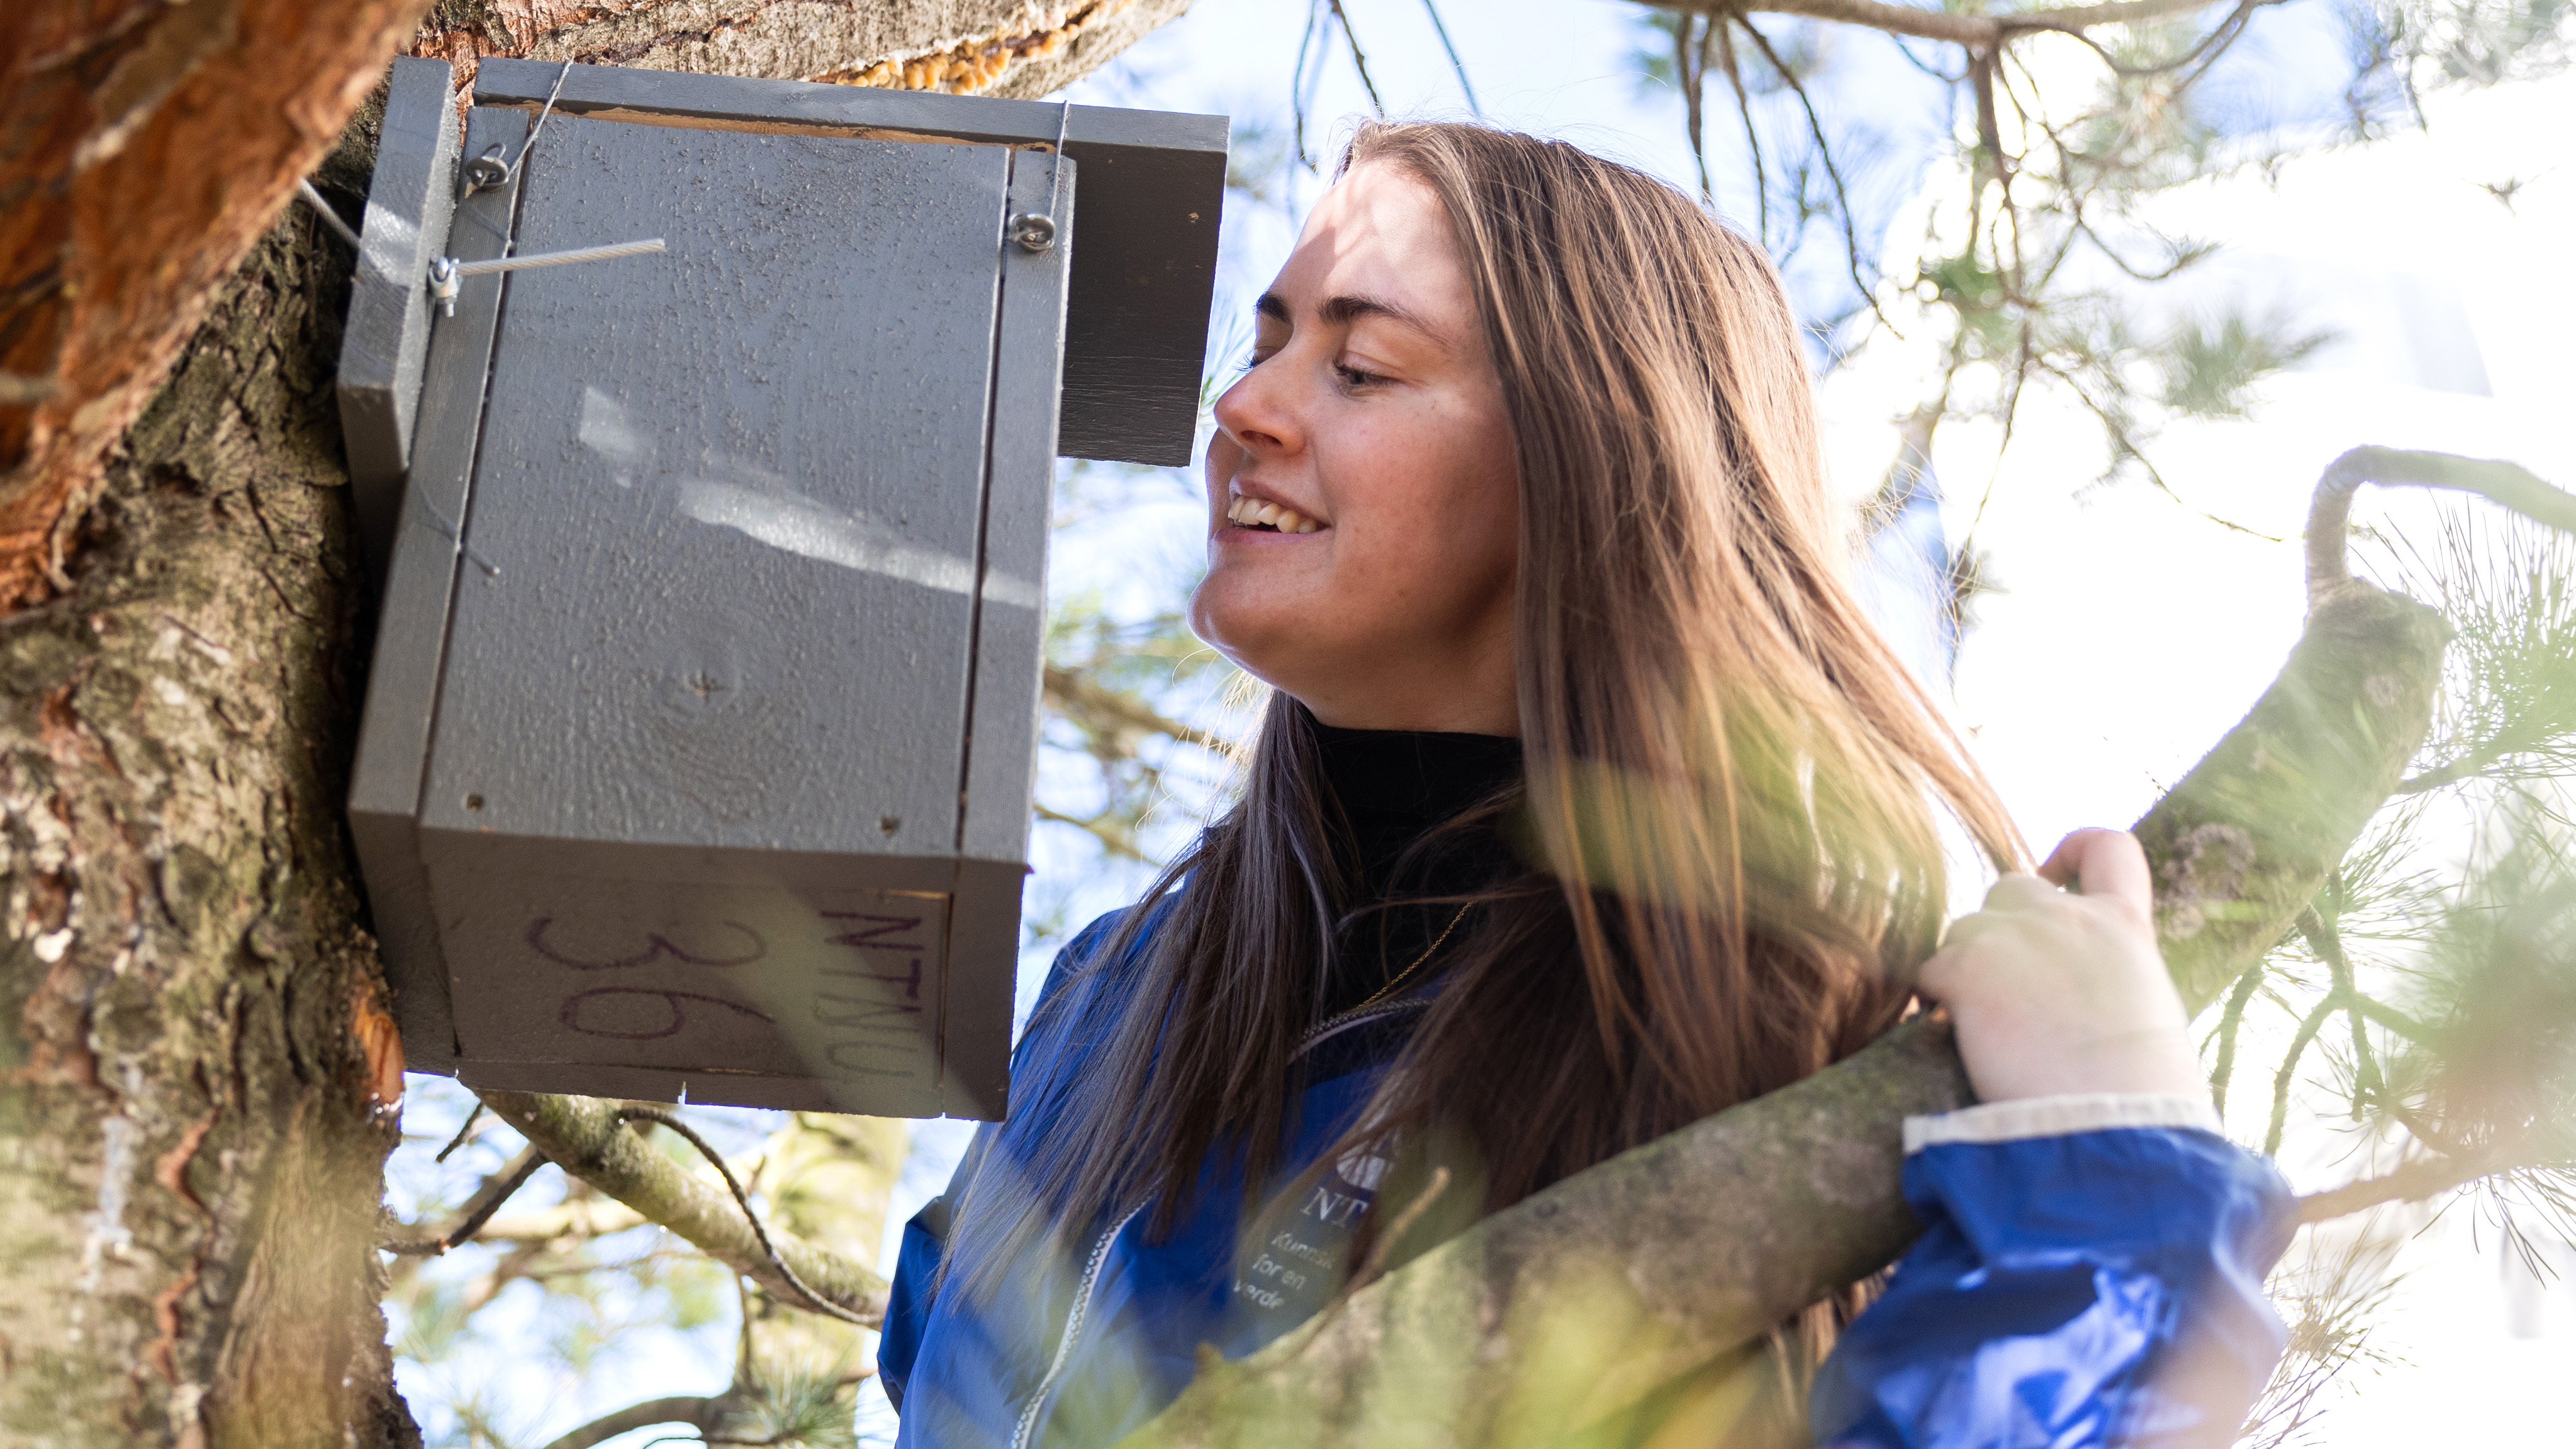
{"points": [[1393, 786]]}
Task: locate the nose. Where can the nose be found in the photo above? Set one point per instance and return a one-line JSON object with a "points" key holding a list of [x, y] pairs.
{"points": [[1257, 414]]}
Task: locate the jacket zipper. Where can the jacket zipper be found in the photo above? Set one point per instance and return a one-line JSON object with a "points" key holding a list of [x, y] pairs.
{"points": [[1028, 1424], [1026, 1431]]}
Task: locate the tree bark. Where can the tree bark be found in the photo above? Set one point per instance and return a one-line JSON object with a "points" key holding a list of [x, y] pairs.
{"points": [[986, 47], [1635, 1293], [143, 148], [192, 1135], [197, 1072]]}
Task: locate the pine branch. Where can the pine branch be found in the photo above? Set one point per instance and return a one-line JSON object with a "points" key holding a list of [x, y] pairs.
{"points": [[522, 1261], [1359, 58], [2219, 37], [1088, 699], [1300, 92], [1457, 67], [2471, 766], [1973, 31], [2230, 1022], [1833, 169], [1725, 35], [704, 1413], [1690, 64], [487, 1200], [589, 1218], [2414, 1182], [464, 1134], [1559, 1313], [2282, 1080], [2129, 447], [586, 1136], [1101, 828], [2395, 1020], [2507, 485], [2324, 935]]}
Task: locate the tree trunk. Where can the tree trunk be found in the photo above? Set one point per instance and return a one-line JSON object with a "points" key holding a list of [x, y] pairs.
{"points": [[196, 1088], [194, 1139]]}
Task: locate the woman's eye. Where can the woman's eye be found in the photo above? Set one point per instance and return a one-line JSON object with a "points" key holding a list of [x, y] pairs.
{"points": [[1354, 377], [1251, 362]]}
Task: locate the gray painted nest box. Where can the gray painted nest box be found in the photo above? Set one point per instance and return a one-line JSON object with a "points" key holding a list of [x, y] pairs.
{"points": [[698, 739]]}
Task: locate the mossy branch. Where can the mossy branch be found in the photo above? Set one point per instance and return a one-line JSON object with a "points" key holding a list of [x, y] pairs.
{"points": [[2507, 485], [584, 1136], [1657, 1273]]}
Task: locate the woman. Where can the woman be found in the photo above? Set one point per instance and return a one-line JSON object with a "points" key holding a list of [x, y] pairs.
{"points": [[1586, 804]]}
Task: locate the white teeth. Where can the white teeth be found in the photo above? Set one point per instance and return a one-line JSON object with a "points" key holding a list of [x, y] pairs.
{"points": [[1250, 512]]}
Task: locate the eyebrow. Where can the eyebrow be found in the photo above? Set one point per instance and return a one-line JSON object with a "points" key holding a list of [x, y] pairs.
{"points": [[1343, 310]]}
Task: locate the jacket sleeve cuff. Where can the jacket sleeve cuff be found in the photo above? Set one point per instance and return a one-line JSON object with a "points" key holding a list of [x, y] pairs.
{"points": [[2059, 1116]]}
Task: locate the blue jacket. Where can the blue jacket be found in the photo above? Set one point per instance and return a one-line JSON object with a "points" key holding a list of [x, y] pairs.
{"points": [[2079, 1255]]}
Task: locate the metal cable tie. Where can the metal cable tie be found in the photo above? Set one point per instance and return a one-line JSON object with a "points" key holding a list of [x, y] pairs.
{"points": [[1033, 232], [488, 172], [455, 535], [1055, 163], [537, 129], [330, 217]]}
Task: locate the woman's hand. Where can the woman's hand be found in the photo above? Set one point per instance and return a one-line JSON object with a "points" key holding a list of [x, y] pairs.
{"points": [[2054, 992]]}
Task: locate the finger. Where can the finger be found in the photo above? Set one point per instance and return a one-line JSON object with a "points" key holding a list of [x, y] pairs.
{"points": [[2017, 891], [1966, 929], [2103, 863], [1934, 979]]}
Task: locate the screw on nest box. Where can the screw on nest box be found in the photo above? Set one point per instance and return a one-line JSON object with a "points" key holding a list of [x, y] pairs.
{"points": [[703, 553]]}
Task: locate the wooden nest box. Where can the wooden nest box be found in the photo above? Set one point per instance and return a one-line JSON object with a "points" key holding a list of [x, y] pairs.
{"points": [[698, 740]]}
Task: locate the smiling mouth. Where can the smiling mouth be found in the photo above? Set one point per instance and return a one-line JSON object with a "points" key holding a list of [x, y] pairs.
{"points": [[1262, 517]]}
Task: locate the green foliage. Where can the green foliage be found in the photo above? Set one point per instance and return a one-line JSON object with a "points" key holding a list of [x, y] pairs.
{"points": [[2425, 1007], [2211, 367], [797, 1411], [2031, 267], [2494, 1073], [2510, 705], [2331, 1299], [2478, 42], [2444, 999]]}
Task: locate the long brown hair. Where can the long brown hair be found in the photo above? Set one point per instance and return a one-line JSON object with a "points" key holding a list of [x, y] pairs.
{"points": [[1729, 818]]}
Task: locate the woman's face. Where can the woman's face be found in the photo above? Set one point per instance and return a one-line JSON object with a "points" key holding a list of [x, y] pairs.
{"points": [[1371, 425]]}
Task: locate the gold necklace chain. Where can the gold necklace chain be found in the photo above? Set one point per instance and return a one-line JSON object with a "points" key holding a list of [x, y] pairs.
{"points": [[1399, 978]]}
